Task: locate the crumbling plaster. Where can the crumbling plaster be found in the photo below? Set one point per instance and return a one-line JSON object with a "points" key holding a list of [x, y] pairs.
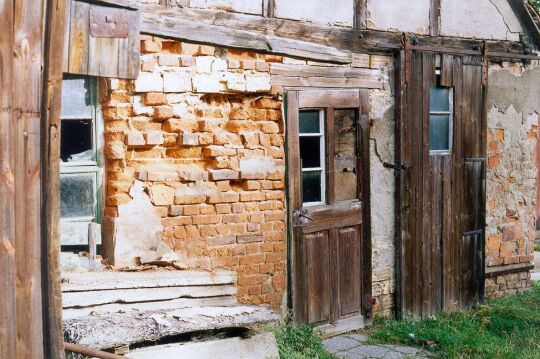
{"points": [[397, 15], [337, 12], [513, 115], [485, 19], [382, 195]]}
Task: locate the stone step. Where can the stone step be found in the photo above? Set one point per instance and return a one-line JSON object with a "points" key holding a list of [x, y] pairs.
{"points": [[260, 346]]}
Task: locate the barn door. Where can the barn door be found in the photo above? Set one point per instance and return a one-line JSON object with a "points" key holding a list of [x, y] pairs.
{"points": [[328, 173], [442, 134]]}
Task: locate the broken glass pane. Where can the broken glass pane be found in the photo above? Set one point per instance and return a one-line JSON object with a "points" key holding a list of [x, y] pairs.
{"points": [[310, 151], [310, 121], [76, 141], [76, 102], [345, 160], [311, 186], [77, 195], [439, 132]]}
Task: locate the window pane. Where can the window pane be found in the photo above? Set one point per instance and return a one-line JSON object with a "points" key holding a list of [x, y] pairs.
{"points": [[76, 141], [310, 151], [439, 99], [76, 98], [311, 186], [439, 127], [310, 121], [77, 195], [345, 170]]}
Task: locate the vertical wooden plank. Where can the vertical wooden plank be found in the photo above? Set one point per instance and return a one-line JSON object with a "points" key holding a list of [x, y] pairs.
{"points": [[364, 144], [318, 276], [7, 187], [297, 260], [447, 78], [269, 7], [360, 14], [123, 57], [28, 56], [349, 263], [66, 21], [428, 72], [400, 106], [448, 275], [133, 54], [50, 185], [437, 204], [434, 17], [78, 43], [330, 154]]}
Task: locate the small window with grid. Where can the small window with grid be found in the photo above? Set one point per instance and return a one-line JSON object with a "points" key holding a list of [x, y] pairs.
{"points": [[441, 116]]}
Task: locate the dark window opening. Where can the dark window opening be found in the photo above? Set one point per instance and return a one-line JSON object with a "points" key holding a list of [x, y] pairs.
{"points": [[76, 141]]}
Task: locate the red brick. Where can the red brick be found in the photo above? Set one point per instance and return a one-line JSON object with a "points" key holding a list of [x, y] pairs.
{"points": [[221, 241]]}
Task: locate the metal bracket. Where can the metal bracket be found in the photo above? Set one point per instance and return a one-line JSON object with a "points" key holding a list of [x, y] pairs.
{"points": [[300, 213], [107, 22]]}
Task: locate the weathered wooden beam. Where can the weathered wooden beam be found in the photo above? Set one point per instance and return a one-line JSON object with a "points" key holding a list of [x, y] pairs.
{"points": [[79, 349], [50, 177], [118, 329], [180, 21], [360, 14], [434, 17], [508, 269], [171, 25], [128, 4]]}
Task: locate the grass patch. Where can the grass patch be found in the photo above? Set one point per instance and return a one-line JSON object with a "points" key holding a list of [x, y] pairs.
{"points": [[507, 327], [299, 341], [537, 247]]}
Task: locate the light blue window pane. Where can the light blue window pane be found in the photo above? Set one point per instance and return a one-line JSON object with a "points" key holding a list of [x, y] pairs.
{"points": [[439, 132], [310, 121], [311, 186], [439, 99], [76, 100]]}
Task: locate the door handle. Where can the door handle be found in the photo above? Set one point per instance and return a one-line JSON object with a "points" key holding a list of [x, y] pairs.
{"points": [[300, 213]]}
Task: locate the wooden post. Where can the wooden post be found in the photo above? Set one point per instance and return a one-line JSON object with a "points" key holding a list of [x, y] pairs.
{"points": [[50, 177]]}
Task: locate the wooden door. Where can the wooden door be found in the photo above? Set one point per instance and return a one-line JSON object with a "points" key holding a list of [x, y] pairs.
{"points": [[328, 173], [442, 183]]}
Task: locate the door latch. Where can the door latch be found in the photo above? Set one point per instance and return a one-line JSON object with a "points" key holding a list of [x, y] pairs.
{"points": [[298, 214]]}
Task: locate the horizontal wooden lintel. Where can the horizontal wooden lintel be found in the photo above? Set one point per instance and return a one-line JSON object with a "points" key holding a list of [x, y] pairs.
{"points": [[508, 269], [304, 40]]}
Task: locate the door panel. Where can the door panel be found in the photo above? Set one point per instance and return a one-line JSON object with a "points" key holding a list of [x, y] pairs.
{"points": [[349, 280], [318, 281], [441, 183], [328, 139]]}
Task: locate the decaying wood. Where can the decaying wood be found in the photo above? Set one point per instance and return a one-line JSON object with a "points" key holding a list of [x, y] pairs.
{"points": [[174, 23], [101, 56], [78, 282], [50, 181], [79, 349], [116, 329], [176, 26], [222, 301]]}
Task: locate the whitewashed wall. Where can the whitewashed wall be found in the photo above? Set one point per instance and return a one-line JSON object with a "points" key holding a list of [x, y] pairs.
{"points": [[399, 15]]}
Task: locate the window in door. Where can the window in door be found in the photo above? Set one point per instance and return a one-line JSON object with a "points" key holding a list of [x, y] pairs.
{"points": [[79, 160], [312, 156], [440, 119]]}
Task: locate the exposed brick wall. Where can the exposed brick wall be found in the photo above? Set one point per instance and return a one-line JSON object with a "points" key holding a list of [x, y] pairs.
{"points": [[511, 177], [202, 129]]}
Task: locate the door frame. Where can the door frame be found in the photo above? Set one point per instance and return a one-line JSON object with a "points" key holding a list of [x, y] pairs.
{"points": [[294, 101]]}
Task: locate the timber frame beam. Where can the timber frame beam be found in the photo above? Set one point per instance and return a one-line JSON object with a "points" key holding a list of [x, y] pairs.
{"points": [[296, 39]]}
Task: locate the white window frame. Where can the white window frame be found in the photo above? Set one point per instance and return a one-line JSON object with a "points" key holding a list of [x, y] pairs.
{"points": [[450, 114], [322, 138]]}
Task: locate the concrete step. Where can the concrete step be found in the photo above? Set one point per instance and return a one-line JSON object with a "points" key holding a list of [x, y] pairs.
{"points": [[260, 346]]}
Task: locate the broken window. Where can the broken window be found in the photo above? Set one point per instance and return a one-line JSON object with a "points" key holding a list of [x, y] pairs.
{"points": [[440, 119], [312, 152], [79, 161]]}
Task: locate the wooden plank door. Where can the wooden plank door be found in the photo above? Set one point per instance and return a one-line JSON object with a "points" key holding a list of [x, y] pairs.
{"points": [[442, 181], [328, 173]]}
